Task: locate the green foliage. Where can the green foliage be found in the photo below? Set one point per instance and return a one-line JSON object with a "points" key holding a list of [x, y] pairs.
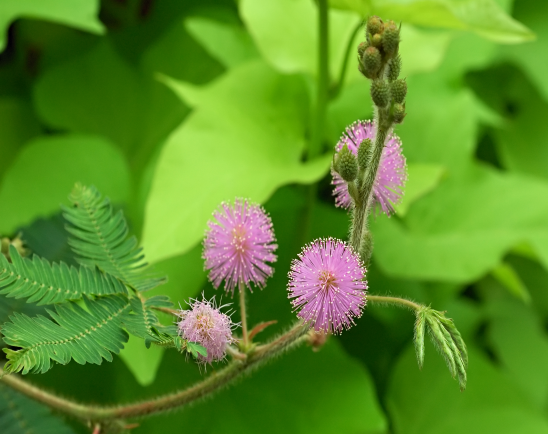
{"points": [[19, 414], [195, 349], [99, 238], [46, 283], [87, 336]]}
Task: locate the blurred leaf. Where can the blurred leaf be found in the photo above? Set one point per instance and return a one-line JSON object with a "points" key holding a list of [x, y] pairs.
{"points": [[427, 401], [461, 230], [99, 93], [143, 363], [230, 44], [81, 14], [19, 414], [343, 401], [507, 276], [421, 179], [521, 344], [484, 17], [19, 124], [46, 170], [286, 33], [245, 138]]}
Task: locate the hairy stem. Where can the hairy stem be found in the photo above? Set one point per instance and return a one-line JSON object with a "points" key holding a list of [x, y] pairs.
{"points": [[243, 312], [178, 399], [405, 303]]}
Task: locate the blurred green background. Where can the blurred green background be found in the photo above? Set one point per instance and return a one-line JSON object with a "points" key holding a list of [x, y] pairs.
{"points": [[171, 106]]}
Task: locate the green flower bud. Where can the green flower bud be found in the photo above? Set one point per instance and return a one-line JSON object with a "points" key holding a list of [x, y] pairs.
{"points": [[361, 49], [394, 68], [376, 40], [363, 153], [374, 25], [371, 61], [398, 89], [391, 38], [380, 93], [398, 113], [347, 164]]}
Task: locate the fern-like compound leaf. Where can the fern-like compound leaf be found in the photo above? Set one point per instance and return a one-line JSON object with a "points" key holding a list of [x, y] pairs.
{"points": [[46, 283], [19, 414], [142, 321], [100, 238], [86, 336]]}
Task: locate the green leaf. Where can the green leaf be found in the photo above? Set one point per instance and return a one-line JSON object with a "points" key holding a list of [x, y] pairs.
{"points": [[508, 277], [461, 230], [344, 399], [421, 179], [428, 402], [230, 44], [81, 14], [46, 283], [19, 414], [99, 93], [73, 333], [484, 17], [143, 363], [196, 349], [47, 168], [245, 138], [100, 238], [286, 33]]}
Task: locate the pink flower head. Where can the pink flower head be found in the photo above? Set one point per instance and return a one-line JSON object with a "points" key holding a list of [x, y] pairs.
{"points": [[392, 173], [206, 325], [327, 284], [238, 245]]}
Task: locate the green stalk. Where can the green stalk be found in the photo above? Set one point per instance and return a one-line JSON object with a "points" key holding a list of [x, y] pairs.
{"points": [[243, 312]]}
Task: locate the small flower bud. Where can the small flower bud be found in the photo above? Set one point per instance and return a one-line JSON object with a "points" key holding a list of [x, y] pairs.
{"points": [[361, 49], [363, 153], [398, 89], [398, 113], [380, 93], [394, 67], [391, 38], [374, 25], [376, 40], [371, 62], [347, 164]]}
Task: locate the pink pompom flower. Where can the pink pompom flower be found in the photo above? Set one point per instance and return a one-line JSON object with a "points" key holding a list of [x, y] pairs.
{"points": [[391, 175], [327, 285], [206, 325], [238, 245]]}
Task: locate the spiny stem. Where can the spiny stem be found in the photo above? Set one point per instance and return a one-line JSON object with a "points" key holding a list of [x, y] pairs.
{"points": [[243, 312], [394, 301], [97, 414]]}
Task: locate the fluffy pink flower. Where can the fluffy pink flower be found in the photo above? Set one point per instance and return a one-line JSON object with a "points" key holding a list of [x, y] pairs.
{"points": [[206, 325], [327, 284], [238, 245], [392, 173]]}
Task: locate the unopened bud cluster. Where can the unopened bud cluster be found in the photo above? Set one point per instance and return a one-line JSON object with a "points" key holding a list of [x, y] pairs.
{"points": [[378, 60]]}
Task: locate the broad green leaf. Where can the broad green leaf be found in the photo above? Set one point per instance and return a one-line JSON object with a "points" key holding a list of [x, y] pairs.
{"points": [[427, 401], [461, 230], [421, 179], [99, 93], [47, 169], [244, 138], [19, 124], [521, 345], [143, 363], [81, 14], [344, 399], [19, 414], [484, 17], [286, 33], [507, 276], [230, 44]]}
